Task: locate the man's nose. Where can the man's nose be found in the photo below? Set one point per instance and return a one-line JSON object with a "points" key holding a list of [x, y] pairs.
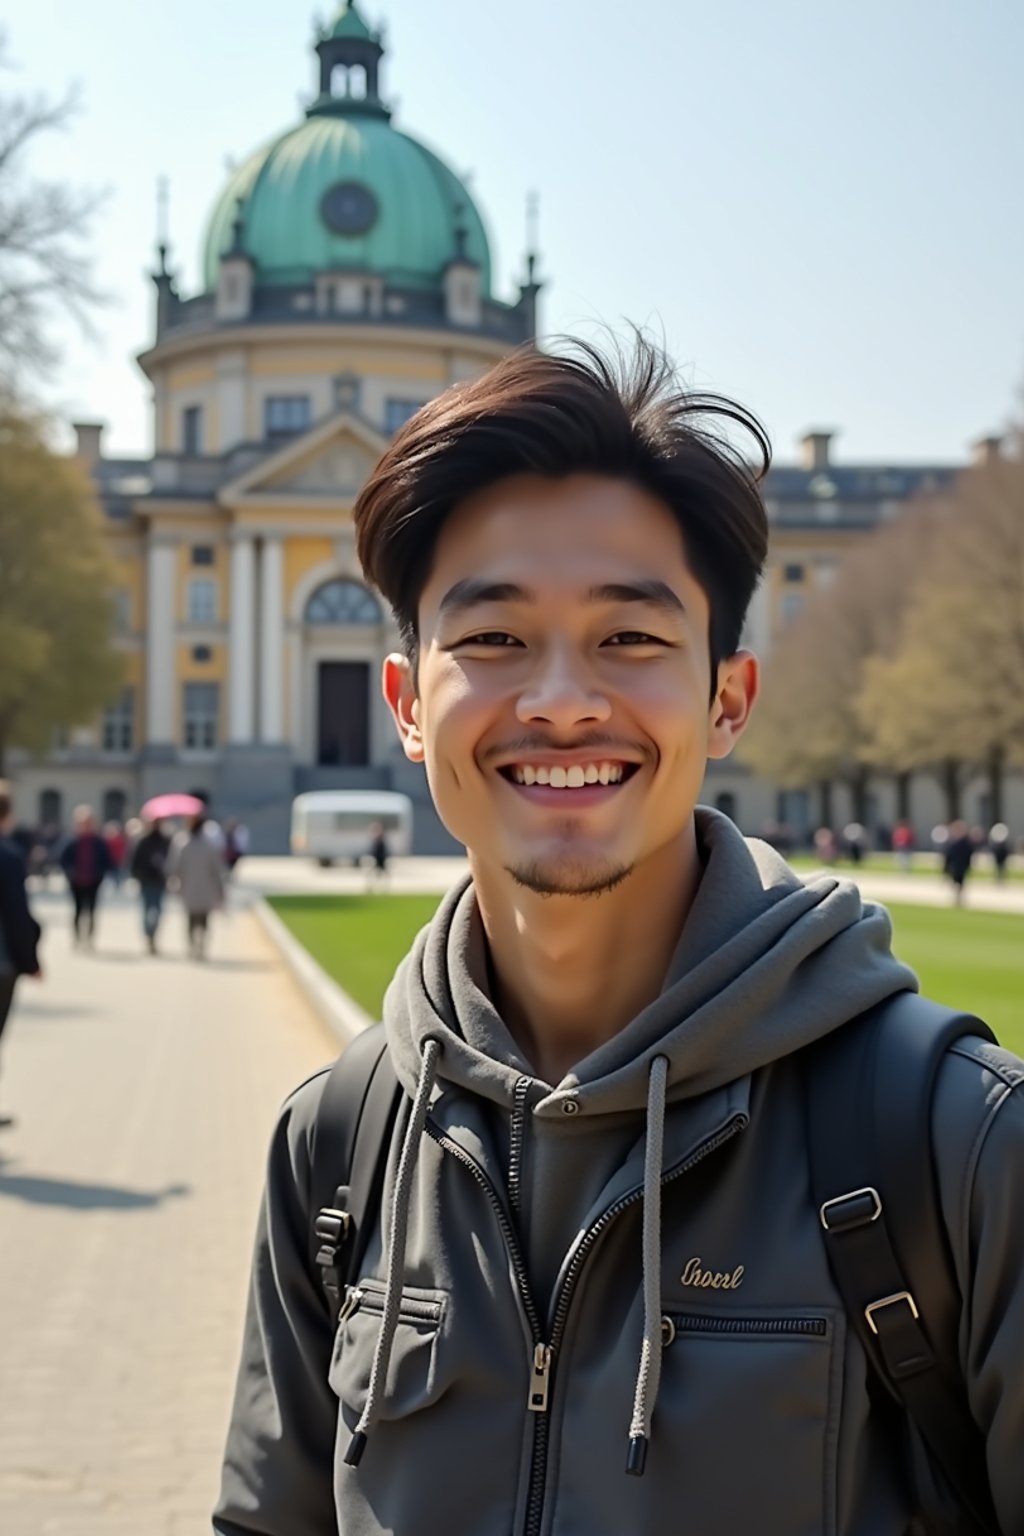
{"points": [[563, 692]]}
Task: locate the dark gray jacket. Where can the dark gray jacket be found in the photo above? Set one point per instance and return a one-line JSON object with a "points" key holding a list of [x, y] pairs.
{"points": [[540, 1321]]}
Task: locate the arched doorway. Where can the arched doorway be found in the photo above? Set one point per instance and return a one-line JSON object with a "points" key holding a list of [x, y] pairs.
{"points": [[51, 808], [343, 681]]}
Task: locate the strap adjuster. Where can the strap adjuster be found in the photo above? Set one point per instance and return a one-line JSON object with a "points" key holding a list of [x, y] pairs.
{"points": [[889, 1301], [332, 1228], [855, 1209]]}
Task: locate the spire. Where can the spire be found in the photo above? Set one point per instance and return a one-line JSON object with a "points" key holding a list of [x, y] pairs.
{"points": [[237, 246], [350, 54]]}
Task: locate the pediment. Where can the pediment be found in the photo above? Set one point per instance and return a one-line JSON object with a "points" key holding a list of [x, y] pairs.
{"points": [[329, 463]]}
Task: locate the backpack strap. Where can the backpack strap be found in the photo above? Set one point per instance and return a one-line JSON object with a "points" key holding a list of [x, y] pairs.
{"points": [[351, 1138], [868, 1095]]}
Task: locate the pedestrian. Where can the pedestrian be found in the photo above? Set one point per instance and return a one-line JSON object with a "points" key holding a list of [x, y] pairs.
{"points": [[596, 1289], [825, 846], [86, 862], [236, 843], [958, 854], [117, 846], [149, 867], [19, 931], [855, 837], [903, 846], [1001, 845], [198, 870], [379, 854]]}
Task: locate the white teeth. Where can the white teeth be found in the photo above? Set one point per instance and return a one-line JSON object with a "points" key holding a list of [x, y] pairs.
{"points": [[575, 777]]}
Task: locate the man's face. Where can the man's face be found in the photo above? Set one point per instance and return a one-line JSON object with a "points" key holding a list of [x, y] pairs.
{"points": [[562, 698]]}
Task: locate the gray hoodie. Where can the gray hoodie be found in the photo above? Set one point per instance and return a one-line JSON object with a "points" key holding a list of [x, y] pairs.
{"points": [[531, 1314]]}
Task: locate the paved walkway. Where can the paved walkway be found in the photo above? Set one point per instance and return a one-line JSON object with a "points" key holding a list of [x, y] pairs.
{"points": [[144, 1091]]}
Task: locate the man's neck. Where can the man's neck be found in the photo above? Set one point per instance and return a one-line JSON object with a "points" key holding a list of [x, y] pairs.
{"points": [[570, 971]]}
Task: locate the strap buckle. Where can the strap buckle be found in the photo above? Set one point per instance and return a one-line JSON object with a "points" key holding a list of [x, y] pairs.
{"points": [[332, 1228], [889, 1301], [855, 1209]]}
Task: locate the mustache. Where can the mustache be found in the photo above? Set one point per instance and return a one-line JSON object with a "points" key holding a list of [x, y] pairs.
{"points": [[522, 746]]}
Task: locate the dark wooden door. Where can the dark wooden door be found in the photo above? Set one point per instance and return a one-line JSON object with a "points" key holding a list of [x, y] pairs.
{"points": [[343, 718]]}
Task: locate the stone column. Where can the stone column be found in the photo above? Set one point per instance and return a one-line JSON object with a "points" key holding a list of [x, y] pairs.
{"points": [[241, 658], [162, 587], [272, 642]]}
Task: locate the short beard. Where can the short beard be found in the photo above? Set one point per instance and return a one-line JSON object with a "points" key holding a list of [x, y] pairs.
{"points": [[552, 877]]}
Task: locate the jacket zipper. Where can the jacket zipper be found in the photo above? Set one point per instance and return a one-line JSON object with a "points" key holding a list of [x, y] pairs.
{"points": [[538, 1468], [675, 1323], [411, 1309], [517, 1136]]}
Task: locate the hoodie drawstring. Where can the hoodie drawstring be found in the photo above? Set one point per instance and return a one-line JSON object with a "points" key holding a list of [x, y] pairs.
{"points": [[648, 1376], [396, 1253]]}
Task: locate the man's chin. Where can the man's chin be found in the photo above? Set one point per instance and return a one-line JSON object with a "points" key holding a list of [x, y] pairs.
{"points": [[568, 875]]}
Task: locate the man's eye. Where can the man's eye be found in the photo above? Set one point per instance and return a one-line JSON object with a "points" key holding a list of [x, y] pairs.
{"points": [[634, 637], [492, 637]]}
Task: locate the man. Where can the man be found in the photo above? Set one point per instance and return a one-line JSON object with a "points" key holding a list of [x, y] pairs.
{"points": [[86, 862], [596, 1298], [149, 868], [19, 931]]}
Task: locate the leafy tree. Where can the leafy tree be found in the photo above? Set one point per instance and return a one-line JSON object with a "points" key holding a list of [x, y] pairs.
{"points": [[44, 266], [56, 621], [951, 694], [807, 729]]}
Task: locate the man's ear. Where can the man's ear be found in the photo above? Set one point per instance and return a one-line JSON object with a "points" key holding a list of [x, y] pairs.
{"points": [[399, 684], [739, 682]]}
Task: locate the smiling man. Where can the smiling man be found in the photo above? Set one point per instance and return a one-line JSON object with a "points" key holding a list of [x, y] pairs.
{"points": [[596, 1296]]}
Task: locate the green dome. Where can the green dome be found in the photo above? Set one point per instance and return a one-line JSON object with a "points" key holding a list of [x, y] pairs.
{"points": [[346, 191]]}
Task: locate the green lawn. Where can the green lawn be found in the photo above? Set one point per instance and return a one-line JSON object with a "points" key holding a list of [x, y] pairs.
{"points": [[358, 940], [972, 960], [924, 864]]}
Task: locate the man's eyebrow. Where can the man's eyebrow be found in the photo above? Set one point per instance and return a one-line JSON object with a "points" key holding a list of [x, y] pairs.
{"points": [[656, 594], [473, 590]]}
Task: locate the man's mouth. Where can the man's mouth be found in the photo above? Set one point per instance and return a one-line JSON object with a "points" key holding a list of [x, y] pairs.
{"points": [[573, 776]]}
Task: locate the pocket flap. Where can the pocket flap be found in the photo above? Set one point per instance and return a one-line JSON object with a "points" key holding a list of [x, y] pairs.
{"points": [[414, 1377]]}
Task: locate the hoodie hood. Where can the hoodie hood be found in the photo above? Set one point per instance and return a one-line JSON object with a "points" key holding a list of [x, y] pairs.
{"points": [[765, 964]]}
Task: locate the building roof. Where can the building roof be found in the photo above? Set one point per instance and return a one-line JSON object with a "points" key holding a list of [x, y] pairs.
{"points": [[340, 192], [349, 23]]}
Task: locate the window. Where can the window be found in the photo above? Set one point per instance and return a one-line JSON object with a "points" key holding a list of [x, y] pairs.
{"points": [[51, 808], [343, 602], [192, 430], [726, 803], [202, 704], [201, 653], [202, 600], [119, 723], [398, 412], [284, 415], [792, 606], [202, 554], [794, 573], [115, 803]]}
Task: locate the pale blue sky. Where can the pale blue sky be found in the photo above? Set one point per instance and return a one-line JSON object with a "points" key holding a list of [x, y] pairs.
{"points": [[818, 205]]}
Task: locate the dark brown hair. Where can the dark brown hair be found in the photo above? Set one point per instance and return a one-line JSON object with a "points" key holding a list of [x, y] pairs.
{"points": [[6, 799], [544, 414]]}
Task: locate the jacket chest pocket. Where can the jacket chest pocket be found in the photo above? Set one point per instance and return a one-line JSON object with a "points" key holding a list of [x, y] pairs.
{"points": [[414, 1377], [748, 1413]]}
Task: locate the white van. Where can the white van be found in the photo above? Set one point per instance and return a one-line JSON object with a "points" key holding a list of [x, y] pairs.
{"points": [[332, 824]]}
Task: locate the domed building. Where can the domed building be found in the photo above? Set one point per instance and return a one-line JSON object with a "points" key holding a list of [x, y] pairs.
{"points": [[347, 279]]}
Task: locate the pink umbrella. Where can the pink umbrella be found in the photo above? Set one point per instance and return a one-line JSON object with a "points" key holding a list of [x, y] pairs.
{"points": [[163, 806]]}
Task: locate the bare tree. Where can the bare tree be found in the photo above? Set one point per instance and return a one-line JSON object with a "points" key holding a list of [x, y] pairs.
{"points": [[45, 267]]}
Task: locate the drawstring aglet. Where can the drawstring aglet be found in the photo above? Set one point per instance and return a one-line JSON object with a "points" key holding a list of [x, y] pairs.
{"points": [[636, 1457], [356, 1447]]}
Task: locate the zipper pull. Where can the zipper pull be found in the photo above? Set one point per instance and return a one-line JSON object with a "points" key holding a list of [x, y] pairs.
{"points": [[353, 1298], [540, 1379]]}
